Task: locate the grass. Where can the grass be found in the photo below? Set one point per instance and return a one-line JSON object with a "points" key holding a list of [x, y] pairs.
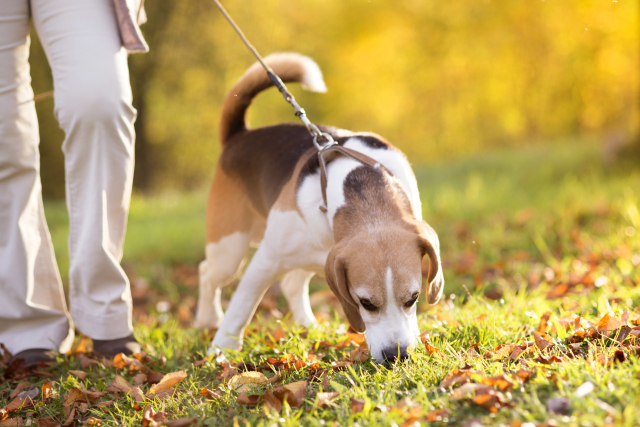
{"points": [[523, 232]]}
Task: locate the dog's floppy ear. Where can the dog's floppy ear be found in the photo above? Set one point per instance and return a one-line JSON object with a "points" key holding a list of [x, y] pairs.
{"points": [[428, 241], [336, 275]]}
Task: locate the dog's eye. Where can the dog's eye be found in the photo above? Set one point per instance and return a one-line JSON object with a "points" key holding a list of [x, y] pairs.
{"points": [[412, 301], [366, 304]]}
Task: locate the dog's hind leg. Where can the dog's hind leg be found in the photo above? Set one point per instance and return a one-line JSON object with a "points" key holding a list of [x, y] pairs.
{"points": [[229, 225], [295, 287]]}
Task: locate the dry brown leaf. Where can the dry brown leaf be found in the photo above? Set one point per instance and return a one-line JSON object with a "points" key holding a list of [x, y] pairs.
{"points": [[79, 374], [122, 361], [356, 337], [541, 342], [470, 390], [139, 378], [19, 389], [459, 376], [147, 417], [162, 394], [357, 405], [154, 377], [93, 421], [86, 363], [608, 322], [74, 395], [180, 422], [244, 399], [324, 399], [70, 416], [360, 354], [120, 383], [168, 381], [500, 381], [210, 394], [293, 393], [82, 346], [12, 422], [137, 394], [47, 422], [105, 403], [270, 401], [247, 380], [47, 390], [491, 401], [437, 415], [544, 322]]}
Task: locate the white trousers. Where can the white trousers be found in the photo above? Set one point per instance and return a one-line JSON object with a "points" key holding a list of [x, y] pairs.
{"points": [[93, 107]]}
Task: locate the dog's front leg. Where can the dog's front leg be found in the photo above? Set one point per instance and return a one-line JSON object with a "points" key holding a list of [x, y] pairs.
{"points": [[262, 272]]}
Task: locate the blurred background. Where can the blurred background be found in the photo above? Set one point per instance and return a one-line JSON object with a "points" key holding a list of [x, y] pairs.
{"points": [[517, 116]]}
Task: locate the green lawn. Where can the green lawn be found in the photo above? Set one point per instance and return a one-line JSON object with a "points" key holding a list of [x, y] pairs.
{"points": [[523, 232]]}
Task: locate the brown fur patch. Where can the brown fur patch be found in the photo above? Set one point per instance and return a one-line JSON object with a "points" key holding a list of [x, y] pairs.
{"points": [[228, 208]]}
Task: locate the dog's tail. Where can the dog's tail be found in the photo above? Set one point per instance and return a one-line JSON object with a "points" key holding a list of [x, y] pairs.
{"points": [[290, 67]]}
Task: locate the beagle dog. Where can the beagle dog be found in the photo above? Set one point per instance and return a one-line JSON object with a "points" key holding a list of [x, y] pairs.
{"points": [[368, 241]]}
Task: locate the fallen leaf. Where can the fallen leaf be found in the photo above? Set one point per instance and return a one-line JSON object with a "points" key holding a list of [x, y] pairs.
{"points": [[244, 399], [162, 394], [139, 378], [47, 422], [47, 390], [180, 422], [70, 416], [541, 342], [293, 393], [324, 399], [92, 421], [470, 390], [82, 346], [122, 361], [154, 377], [437, 415], [544, 322], [105, 403], [19, 403], [169, 380], [147, 417], [210, 394], [79, 374], [459, 376], [270, 401], [360, 354], [137, 394], [19, 388], [86, 363], [12, 422], [120, 383], [500, 381], [357, 405], [247, 380]]}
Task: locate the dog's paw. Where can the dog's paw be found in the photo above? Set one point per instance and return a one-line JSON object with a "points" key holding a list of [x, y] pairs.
{"points": [[218, 355]]}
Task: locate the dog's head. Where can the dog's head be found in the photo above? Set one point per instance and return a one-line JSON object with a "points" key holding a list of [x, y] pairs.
{"points": [[376, 274]]}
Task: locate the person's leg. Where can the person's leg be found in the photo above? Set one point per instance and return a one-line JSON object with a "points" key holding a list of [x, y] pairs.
{"points": [[33, 313], [93, 107]]}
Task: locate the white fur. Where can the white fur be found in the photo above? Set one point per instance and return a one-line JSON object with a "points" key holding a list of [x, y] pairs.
{"points": [[295, 287], [301, 241], [393, 325], [223, 262]]}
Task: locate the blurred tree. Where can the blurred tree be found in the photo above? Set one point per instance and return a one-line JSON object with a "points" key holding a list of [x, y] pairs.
{"points": [[437, 79]]}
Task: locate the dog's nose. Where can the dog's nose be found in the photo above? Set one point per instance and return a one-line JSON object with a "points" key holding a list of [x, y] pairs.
{"points": [[391, 354]]}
